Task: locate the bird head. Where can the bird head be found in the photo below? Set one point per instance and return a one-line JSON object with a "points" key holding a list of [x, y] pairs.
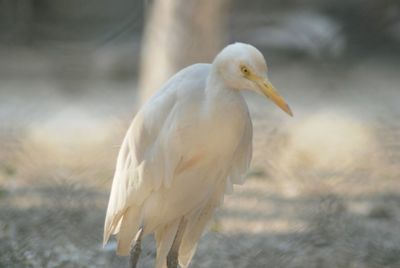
{"points": [[242, 66]]}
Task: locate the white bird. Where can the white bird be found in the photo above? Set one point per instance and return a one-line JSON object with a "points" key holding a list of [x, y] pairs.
{"points": [[184, 150]]}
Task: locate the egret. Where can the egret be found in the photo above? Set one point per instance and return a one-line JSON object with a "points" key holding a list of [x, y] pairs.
{"points": [[184, 150]]}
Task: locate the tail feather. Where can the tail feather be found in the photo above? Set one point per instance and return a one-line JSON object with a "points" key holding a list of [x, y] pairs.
{"points": [[196, 224], [128, 228], [111, 226], [165, 237]]}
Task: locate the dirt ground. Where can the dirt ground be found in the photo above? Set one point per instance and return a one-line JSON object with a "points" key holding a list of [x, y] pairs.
{"points": [[323, 190]]}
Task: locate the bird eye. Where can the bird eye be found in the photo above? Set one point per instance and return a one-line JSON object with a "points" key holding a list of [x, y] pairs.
{"points": [[245, 70]]}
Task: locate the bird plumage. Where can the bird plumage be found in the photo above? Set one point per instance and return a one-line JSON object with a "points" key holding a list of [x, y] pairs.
{"points": [[165, 168], [184, 150]]}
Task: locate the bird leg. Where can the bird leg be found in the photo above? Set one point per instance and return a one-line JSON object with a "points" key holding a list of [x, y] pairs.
{"points": [[136, 249], [172, 258]]}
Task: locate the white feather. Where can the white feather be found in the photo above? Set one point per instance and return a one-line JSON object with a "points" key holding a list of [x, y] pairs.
{"points": [[185, 148]]}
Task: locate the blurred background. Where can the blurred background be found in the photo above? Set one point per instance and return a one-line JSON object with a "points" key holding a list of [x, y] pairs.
{"points": [[323, 189]]}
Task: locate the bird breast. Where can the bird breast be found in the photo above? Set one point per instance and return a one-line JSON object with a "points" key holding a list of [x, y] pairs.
{"points": [[205, 141], [218, 126]]}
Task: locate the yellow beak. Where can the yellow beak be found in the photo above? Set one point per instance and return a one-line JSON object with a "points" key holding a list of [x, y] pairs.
{"points": [[268, 90]]}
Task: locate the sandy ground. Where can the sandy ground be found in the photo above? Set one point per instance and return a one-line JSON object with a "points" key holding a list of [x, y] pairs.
{"points": [[323, 190]]}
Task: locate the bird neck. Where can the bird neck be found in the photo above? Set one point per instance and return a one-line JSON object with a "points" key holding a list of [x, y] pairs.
{"points": [[216, 84], [219, 94]]}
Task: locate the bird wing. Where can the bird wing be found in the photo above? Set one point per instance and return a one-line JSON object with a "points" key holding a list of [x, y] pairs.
{"points": [[142, 164], [133, 179]]}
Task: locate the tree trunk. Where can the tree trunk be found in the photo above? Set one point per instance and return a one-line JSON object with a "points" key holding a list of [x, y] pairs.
{"points": [[179, 33]]}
